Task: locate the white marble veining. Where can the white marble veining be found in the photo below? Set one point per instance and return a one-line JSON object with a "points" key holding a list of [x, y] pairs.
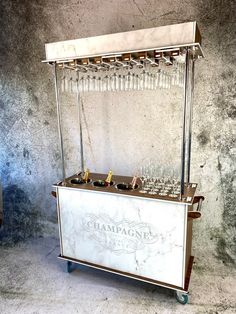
{"points": [[135, 235], [157, 37]]}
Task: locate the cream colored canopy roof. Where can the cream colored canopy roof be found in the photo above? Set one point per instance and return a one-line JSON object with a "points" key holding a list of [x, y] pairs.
{"points": [[171, 36]]}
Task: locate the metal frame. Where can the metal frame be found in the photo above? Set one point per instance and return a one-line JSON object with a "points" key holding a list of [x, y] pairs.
{"points": [[59, 122], [80, 124], [187, 119], [190, 112], [185, 35], [192, 50], [186, 122]]}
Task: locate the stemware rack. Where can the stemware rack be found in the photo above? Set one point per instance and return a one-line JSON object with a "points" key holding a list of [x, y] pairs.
{"points": [[145, 236]]}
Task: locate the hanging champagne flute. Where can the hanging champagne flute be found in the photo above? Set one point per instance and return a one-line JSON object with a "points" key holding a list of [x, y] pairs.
{"points": [[142, 177]]}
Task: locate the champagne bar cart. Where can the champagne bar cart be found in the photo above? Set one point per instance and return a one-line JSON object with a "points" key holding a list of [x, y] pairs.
{"points": [[142, 227]]}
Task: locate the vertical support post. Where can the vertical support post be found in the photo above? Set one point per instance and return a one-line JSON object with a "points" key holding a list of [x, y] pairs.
{"points": [[183, 145], [80, 124], [59, 122], [190, 116]]}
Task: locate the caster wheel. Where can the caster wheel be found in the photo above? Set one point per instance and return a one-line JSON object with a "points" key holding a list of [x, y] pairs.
{"points": [[181, 297], [69, 266]]}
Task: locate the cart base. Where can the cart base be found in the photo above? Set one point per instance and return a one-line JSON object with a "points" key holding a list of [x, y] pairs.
{"points": [[181, 293]]}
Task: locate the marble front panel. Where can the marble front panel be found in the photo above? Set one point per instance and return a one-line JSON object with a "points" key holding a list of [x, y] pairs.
{"points": [[140, 236]]}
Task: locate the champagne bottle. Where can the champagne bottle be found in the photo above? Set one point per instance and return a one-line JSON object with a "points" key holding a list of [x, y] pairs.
{"points": [[109, 178], [134, 182], [86, 176]]}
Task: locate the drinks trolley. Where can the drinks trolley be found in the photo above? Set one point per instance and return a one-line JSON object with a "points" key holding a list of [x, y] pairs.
{"points": [[142, 227]]}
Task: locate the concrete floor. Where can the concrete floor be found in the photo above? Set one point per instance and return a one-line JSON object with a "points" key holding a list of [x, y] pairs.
{"points": [[33, 280]]}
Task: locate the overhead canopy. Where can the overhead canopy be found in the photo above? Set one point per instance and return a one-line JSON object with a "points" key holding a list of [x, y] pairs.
{"points": [[170, 36]]}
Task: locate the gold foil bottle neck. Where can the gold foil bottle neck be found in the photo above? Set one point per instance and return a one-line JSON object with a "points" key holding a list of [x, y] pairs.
{"points": [[86, 175], [109, 177]]}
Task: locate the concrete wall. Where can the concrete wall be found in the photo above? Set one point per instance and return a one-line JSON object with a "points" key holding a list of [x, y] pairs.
{"points": [[29, 155]]}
